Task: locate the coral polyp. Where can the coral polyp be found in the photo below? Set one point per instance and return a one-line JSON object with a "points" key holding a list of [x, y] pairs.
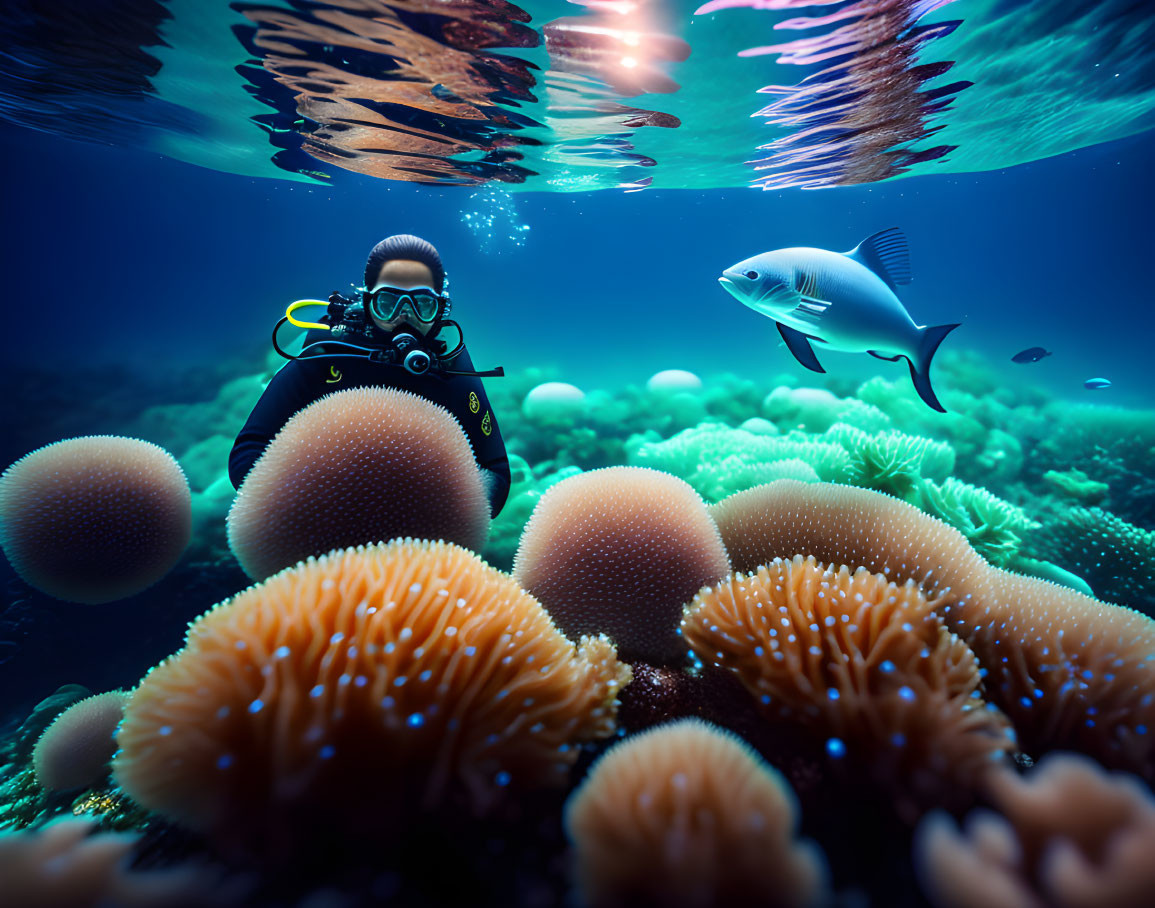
{"points": [[865, 665], [374, 682]]}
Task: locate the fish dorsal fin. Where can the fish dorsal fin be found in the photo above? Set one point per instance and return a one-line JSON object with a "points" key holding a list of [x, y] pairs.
{"points": [[886, 254]]}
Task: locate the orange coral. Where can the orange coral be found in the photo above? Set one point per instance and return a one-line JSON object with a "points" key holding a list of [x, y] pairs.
{"points": [[358, 467], [1070, 836], [864, 663], [1071, 672], [94, 519], [365, 683], [619, 551], [686, 814]]}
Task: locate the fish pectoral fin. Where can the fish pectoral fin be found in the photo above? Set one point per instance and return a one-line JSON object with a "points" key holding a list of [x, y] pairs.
{"points": [[889, 359], [799, 344]]}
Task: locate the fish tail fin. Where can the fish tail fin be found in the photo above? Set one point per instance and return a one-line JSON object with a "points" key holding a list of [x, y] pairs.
{"points": [[929, 339]]}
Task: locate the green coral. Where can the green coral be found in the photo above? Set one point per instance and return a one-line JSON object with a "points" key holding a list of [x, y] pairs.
{"points": [[1077, 484], [718, 460], [1115, 557], [994, 527], [892, 462]]}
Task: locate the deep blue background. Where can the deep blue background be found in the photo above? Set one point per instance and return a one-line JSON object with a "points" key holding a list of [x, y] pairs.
{"points": [[118, 256]]}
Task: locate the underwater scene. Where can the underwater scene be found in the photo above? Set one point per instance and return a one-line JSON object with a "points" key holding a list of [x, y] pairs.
{"points": [[577, 453]]}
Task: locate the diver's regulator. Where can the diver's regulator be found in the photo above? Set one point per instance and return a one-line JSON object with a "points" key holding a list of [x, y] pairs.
{"points": [[353, 333]]}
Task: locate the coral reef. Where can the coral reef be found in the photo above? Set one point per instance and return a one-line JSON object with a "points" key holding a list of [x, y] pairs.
{"points": [[685, 815], [411, 663], [357, 467], [618, 551], [364, 752], [1067, 835], [94, 519]]}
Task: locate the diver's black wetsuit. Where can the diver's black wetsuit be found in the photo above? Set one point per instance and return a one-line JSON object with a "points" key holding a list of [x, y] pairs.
{"points": [[302, 381]]}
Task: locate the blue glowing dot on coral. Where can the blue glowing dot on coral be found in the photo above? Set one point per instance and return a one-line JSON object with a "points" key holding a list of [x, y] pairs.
{"points": [[906, 693], [164, 730], [1140, 729], [415, 720], [256, 706], [835, 747], [503, 778], [317, 690], [898, 739], [833, 693], [886, 665], [327, 751], [224, 761], [280, 652], [1026, 702]]}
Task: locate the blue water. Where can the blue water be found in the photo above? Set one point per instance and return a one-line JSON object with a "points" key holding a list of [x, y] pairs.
{"points": [[135, 259]]}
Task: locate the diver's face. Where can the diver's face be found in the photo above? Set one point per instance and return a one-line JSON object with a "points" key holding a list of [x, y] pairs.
{"points": [[404, 274]]}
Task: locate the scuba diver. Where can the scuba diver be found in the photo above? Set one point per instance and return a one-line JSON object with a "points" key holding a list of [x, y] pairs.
{"points": [[391, 338]]}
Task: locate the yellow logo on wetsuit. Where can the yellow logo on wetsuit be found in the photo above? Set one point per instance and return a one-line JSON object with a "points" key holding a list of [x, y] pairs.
{"points": [[474, 403], [486, 423], [336, 375]]}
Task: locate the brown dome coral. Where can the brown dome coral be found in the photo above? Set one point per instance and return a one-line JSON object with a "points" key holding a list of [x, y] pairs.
{"points": [[360, 686], [846, 525], [358, 467], [620, 551], [1070, 836], [862, 662], [94, 519], [76, 748], [686, 814]]}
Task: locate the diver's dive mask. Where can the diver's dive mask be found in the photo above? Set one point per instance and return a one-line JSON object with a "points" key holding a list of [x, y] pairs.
{"points": [[387, 303]]}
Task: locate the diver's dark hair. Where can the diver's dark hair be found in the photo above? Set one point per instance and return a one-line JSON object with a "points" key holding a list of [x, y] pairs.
{"points": [[404, 246]]}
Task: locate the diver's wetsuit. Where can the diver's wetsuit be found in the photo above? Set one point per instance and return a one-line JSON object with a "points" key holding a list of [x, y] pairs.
{"points": [[302, 381]]}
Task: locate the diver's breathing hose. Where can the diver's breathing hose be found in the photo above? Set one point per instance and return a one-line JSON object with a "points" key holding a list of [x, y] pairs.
{"points": [[300, 304]]}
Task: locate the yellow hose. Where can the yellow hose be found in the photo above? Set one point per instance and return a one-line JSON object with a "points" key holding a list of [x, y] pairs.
{"points": [[293, 307]]}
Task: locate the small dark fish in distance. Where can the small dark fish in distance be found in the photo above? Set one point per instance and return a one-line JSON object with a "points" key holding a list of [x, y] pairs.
{"points": [[1095, 384], [1030, 355]]}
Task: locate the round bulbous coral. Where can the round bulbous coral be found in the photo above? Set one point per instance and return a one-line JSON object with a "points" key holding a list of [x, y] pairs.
{"points": [[686, 814], [354, 468], [619, 551], [76, 748], [94, 519], [372, 683]]}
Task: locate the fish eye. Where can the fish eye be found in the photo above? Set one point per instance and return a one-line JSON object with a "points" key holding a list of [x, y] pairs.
{"points": [[751, 274]]}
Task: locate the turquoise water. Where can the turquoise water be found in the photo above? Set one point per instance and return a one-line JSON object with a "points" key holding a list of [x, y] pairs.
{"points": [[177, 173]]}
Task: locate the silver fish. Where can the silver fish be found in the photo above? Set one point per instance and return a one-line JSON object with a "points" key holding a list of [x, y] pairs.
{"points": [[843, 300]]}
